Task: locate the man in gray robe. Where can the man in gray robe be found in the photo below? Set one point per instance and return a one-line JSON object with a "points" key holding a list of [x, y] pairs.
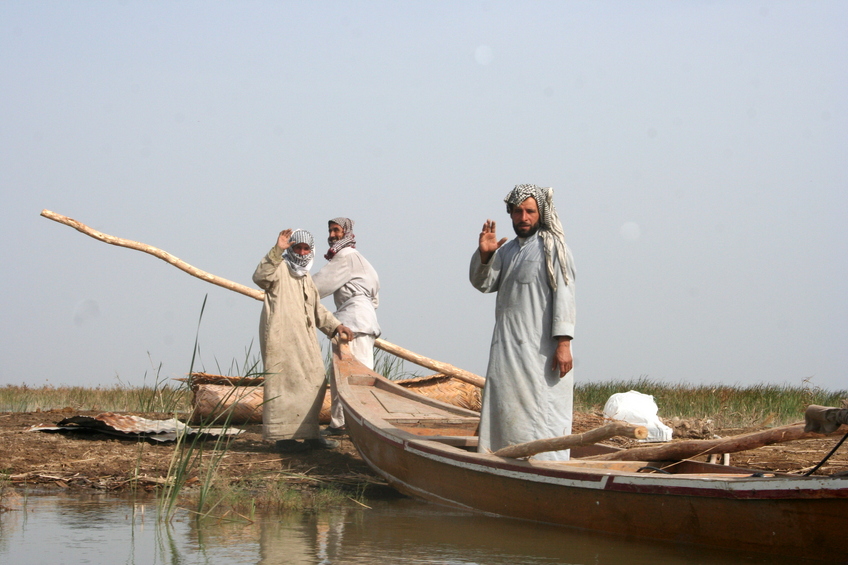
{"points": [[295, 382], [355, 287], [529, 383]]}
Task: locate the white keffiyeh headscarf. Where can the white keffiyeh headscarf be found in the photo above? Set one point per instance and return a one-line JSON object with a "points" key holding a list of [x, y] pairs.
{"points": [[348, 240], [550, 230], [300, 265]]}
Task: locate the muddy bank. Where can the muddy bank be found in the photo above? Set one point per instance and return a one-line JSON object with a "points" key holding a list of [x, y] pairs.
{"points": [[100, 461]]}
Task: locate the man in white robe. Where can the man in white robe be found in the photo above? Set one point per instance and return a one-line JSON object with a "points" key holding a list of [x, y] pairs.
{"points": [[355, 287], [295, 382], [529, 382]]}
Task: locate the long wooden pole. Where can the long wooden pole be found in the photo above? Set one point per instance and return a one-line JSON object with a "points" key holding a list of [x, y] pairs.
{"points": [[437, 366], [156, 252], [591, 437], [692, 448]]}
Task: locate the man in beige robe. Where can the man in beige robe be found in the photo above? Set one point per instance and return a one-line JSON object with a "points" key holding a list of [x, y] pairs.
{"points": [[295, 383]]}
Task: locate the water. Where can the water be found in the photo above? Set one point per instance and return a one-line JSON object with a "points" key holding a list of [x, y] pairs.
{"points": [[73, 528]]}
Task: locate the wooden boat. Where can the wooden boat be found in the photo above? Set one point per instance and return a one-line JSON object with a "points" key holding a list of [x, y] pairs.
{"points": [[426, 449]]}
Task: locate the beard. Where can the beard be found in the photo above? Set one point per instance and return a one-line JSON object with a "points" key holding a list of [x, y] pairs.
{"points": [[525, 231]]}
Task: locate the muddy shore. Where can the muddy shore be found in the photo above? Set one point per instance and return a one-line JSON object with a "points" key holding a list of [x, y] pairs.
{"points": [[99, 461]]}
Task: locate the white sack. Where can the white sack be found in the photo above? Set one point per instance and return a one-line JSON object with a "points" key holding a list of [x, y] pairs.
{"points": [[640, 410]]}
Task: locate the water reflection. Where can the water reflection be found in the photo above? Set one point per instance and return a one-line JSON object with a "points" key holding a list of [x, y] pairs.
{"points": [[60, 528], [290, 539]]}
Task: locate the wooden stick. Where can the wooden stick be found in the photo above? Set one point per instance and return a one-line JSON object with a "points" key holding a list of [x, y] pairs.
{"points": [[437, 366], [156, 252], [692, 448], [613, 429]]}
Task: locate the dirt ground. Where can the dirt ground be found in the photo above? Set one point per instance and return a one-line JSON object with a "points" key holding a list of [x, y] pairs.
{"points": [[100, 461]]}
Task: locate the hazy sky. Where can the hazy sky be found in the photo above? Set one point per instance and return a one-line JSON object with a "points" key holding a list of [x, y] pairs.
{"points": [[698, 152]]}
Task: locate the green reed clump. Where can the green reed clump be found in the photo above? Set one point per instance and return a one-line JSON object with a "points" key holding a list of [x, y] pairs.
{"points": [[731, 406], [234, 497], [280, 495], [328, 496], [244, 497], [392, 367], [164, 398], [250, 366], [187, 458]]}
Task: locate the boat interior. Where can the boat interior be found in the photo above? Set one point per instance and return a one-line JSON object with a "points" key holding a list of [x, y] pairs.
{"points": [[436, 421]]}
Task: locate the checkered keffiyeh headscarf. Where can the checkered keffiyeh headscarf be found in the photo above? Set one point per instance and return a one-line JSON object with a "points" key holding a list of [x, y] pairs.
{"points": [[300, 265], [348, 240], [551, 229]]}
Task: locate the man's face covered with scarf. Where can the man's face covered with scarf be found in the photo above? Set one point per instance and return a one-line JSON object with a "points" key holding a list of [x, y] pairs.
{"points": [[300, 253]]}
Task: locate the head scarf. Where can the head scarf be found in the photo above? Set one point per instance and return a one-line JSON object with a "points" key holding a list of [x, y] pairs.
{"points": [[348, 240], [550, 230], [298, 264]]}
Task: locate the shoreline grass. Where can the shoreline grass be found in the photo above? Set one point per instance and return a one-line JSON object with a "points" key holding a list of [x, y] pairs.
{"points": [[761, 404], [728, 406], [117, 398]]}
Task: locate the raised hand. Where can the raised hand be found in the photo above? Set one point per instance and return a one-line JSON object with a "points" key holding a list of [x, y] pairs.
{"points": [[284, 239], [488, 242]]}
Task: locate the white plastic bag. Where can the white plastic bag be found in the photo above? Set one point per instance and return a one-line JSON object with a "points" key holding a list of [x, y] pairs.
{"points": [[640, 410]]}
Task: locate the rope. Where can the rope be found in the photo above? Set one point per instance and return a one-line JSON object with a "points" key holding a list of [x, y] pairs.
{"points": [[832, 451]]}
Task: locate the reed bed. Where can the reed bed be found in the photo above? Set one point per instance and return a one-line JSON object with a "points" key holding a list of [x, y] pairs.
{"points": [[117, 398], [728, 406]]}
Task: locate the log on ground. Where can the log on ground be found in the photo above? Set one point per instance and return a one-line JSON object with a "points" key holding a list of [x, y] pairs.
{"points": [[530, 448], [675, 451]]}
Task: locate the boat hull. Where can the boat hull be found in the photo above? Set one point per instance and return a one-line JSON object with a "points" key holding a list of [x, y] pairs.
{"points": [[787, 515]]}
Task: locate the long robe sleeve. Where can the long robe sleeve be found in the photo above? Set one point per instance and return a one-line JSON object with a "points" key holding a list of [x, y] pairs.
{"points": [[266, 273], [564, 313], [485, 277]]}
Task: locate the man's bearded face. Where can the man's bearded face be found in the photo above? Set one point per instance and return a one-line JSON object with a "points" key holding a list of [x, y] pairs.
{"points": [[525, 218], [336, 233]]}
